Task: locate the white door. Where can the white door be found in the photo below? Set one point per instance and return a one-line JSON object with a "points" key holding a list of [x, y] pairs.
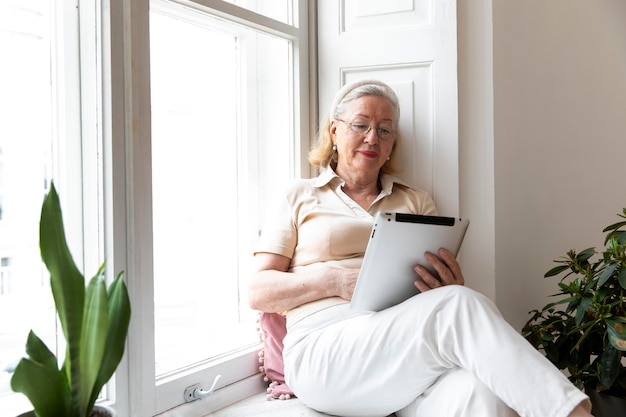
{"points": [[411, 45]]}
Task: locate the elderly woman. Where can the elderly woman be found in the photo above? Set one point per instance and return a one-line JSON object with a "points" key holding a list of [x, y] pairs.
{"points": [[444, 352]]}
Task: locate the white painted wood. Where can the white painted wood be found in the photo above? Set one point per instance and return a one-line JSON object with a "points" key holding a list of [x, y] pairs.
{"points": [[128, 194], [411, 45], [224, 400], [258, 406], [128, 201]]}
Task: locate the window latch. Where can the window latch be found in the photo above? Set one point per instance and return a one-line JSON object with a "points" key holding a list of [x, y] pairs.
{"points": [[195, 392]]}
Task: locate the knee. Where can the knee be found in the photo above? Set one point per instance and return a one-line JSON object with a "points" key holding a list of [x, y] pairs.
{"points": [[474, 398], [459, 291], [455, 301], [459, 393], [462, 295], [470, 391]]}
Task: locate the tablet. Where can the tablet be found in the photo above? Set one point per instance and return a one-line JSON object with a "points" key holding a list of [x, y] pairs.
{"points": [[397, 243]]}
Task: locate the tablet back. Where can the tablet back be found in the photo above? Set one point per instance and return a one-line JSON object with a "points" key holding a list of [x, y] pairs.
{"points": [[397, 243]]}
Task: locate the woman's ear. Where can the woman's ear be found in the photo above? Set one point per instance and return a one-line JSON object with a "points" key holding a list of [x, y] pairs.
{"points": [[333, 130]]}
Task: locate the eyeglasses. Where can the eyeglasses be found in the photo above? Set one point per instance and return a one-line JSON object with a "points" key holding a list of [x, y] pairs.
{"points": [[363, 129]]}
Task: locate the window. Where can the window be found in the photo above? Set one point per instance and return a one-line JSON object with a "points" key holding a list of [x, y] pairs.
{"points": [[40, 122], [221, 95], [174, 200], [195, 144], [227, 101]]}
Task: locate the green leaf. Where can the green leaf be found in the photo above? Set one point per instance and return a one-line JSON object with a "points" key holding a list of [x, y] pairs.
{"points": [[94, 322], [563, 301], [119, 319], [604, 293], [614, 226], [66, 281], [616, 235], [586, 254], [46, 388], [621, 278], [68, 284], [606, 275], [39, 352], [609, 366], [93, 341], [575, 302], [617, 332], [555, 271], [582, 310]]}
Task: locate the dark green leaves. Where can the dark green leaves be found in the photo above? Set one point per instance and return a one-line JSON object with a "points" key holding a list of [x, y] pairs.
{"points": [[617, 332], [119, 319], [556, 270], [606, 274], [94, 321], [609, 366], [41, 381], [584, 331]]}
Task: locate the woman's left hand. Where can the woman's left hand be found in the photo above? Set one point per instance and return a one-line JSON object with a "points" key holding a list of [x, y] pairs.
{"points": [[447, 268]]}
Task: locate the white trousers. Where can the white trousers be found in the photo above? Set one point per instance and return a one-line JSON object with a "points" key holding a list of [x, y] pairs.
{"points": [[445, 352]]}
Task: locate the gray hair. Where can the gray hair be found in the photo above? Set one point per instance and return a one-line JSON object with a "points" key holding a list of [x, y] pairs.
{"points": [[364, 88]]}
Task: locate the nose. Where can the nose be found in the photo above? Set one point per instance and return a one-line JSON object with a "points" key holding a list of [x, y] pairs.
{"points": [[371, 136]]}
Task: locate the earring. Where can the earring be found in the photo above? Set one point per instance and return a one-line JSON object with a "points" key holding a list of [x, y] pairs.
{"points": [[334, 148]]}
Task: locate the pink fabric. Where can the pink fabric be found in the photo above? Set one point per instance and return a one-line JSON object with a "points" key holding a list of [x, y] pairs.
{"points": [[273, 328]]}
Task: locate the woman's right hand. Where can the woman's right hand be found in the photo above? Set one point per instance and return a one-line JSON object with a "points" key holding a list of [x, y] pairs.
{"points": [[345, 282]]}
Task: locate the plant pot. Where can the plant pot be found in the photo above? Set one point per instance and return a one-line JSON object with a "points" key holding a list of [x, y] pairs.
{"points": [[98, 411], [605, 405]]}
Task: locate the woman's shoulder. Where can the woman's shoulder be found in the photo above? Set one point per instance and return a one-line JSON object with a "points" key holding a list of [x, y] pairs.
{"points": [[403, 186], [299, 185], [295, 190], [409, 197], [414, 193], [308, 185]]}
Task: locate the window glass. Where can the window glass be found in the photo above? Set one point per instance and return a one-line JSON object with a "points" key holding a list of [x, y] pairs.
{"points": [[194, 143], [219, 93], [25, 147], [28, 152]]}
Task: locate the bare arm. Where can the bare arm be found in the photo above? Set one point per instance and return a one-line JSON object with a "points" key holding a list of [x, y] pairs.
{"points": [[273, 289]]}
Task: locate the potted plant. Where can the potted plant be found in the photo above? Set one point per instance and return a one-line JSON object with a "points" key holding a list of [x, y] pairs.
{"points": [[94, 322], [584, 332]]}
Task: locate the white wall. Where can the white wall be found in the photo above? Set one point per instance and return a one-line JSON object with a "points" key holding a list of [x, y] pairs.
{"points": [[542, 107]]}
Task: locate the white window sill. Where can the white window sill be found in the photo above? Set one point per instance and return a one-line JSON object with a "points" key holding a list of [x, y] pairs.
{"points": [[220, 399]]}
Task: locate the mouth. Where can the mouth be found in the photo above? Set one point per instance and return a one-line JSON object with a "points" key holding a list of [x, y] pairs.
{"points": [[369, 154]]}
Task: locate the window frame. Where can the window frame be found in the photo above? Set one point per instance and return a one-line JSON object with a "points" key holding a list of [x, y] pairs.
{"points": [[126, 186]]}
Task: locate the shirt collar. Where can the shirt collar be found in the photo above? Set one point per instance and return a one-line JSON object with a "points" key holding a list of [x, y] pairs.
{"points": [[328, 175]]}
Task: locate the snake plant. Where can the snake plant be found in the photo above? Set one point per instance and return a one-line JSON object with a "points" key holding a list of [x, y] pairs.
{"points": [[94, 322]]}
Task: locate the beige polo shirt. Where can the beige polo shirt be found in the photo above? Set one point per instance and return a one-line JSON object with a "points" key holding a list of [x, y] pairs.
{"points": [[318, 226]]}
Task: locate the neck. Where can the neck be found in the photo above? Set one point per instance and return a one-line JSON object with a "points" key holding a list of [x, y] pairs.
{"points": [[367, 182], [363, 190]]}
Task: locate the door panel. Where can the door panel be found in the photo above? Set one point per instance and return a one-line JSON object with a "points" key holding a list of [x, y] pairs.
{"points": [[411, 45]]}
